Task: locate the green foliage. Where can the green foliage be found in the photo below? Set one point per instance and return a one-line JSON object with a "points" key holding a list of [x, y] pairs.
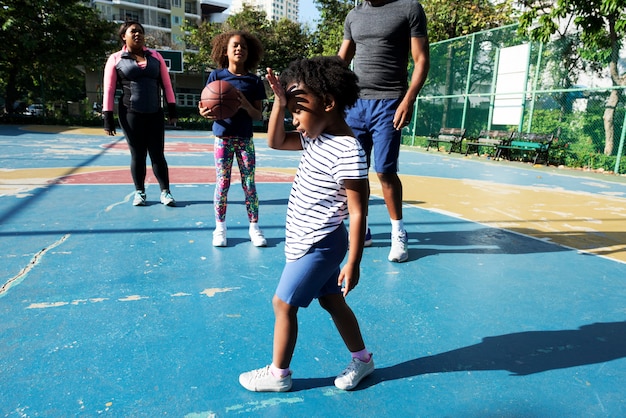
{"points": [[451, 19], [329, 33], [602, 26], [43, 45], [287, 42], [282, 40]]}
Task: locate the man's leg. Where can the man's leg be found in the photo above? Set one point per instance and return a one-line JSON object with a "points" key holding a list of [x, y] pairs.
{"points": [[392, 193], [387, 142]]}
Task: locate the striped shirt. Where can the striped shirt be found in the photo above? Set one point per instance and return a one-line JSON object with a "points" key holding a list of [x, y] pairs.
{"points": [[318, 202]]}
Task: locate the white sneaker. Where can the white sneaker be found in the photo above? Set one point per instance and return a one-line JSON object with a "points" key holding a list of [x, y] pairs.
{"points": [[167, 199], [257, 238], [399, 247], [356, 371], [139, 199], [262, 380], [219, 238]]}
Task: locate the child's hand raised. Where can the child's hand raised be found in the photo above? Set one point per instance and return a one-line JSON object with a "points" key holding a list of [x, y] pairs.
{"points": [[279, 92]]}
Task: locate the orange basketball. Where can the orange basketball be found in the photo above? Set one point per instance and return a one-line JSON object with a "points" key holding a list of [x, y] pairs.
{"points": [[221, 97]]}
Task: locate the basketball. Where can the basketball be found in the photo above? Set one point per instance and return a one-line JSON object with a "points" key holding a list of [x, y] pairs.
{"points": [[221, 97]]}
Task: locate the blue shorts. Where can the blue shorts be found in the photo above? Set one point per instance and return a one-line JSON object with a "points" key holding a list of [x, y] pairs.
{"points": [[371, 121], [314, 274]]}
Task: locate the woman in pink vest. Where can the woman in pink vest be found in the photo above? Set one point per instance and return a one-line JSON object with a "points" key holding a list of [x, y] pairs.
{"points": [[140, 73]]}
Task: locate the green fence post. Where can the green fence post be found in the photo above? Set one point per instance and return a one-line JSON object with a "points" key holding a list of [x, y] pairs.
{"points": [[620, 148], [534, 94], [467, 82]]}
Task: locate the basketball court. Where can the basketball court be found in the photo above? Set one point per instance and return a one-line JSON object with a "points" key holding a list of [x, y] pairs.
{"points": [[512, 302]]}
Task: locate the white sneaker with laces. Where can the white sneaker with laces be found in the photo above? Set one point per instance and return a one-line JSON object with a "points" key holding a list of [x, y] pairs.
{"points": [[262, 380], [139, 199], [219, 238], [356, 371], [257, 238], [167, 199], [399, 247]]}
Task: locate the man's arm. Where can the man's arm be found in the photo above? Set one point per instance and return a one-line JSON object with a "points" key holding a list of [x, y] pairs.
{"points": [[347, 50], [420, 51]]}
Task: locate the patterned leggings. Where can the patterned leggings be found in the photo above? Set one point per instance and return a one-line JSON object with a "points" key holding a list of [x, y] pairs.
{"points": [[226, 149]]}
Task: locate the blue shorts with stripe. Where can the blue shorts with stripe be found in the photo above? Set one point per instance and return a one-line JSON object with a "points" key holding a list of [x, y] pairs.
{"points": [[371, 121]]}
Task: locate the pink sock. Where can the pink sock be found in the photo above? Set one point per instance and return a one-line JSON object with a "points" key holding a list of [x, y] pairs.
{"points": [[363, 355], [279, 373]]}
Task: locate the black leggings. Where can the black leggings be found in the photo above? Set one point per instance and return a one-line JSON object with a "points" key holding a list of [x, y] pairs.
{"points": [[145, 134]]}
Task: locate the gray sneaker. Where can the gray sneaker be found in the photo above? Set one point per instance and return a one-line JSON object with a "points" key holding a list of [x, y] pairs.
{"points": [[262, 380], [356, 371]]}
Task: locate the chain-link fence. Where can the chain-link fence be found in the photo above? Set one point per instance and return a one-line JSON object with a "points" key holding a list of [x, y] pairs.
{"points": [[497, 79]]}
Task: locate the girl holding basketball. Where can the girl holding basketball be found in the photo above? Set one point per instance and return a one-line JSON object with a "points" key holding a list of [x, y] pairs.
{"points": [[331, 183], [237, 54]]}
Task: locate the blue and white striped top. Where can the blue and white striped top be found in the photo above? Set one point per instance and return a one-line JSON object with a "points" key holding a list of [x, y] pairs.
{"points": [[318, 200]]}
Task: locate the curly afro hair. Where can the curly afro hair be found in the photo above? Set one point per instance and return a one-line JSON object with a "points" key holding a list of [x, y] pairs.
{"points": [[324, 76], [220, 48]]}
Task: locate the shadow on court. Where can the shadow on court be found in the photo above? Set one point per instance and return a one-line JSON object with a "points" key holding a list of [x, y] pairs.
{"points": [[521, 353]]}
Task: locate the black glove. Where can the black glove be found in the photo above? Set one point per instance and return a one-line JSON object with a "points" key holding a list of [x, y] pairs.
{"points": [[171, 111], [109, 122]]}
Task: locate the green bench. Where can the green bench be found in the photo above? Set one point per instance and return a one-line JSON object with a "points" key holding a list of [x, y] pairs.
{"points": [[452, 136], [488, 138], [529, 144]]}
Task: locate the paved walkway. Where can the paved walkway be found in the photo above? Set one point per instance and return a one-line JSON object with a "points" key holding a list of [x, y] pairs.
{"points": [[511, 303]]}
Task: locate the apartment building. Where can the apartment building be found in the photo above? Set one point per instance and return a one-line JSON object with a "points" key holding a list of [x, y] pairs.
{"points": [[274, 9], [163, 19]]}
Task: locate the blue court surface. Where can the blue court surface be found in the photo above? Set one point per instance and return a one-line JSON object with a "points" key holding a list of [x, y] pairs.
{"points": [[512, 302]]}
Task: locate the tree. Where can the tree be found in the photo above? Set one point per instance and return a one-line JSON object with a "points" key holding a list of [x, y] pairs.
{"points": [[44, 45], [449, 20], [282, 40], [328, 36], [602, 27]]}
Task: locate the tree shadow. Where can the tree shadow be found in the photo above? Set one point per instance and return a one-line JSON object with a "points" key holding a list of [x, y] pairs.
{"points": [[521, 353]]}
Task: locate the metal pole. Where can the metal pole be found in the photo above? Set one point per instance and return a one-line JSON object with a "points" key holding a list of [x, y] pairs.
{"points": [[467, 82], [534, 95], [620, 148], [494, 80]]}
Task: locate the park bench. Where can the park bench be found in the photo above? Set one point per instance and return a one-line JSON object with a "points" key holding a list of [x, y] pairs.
{"points": [[489, 139], [529, 144], [452, 136]]}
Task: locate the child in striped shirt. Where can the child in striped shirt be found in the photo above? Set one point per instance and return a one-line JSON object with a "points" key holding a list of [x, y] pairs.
{"points": [[331, 184]]}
